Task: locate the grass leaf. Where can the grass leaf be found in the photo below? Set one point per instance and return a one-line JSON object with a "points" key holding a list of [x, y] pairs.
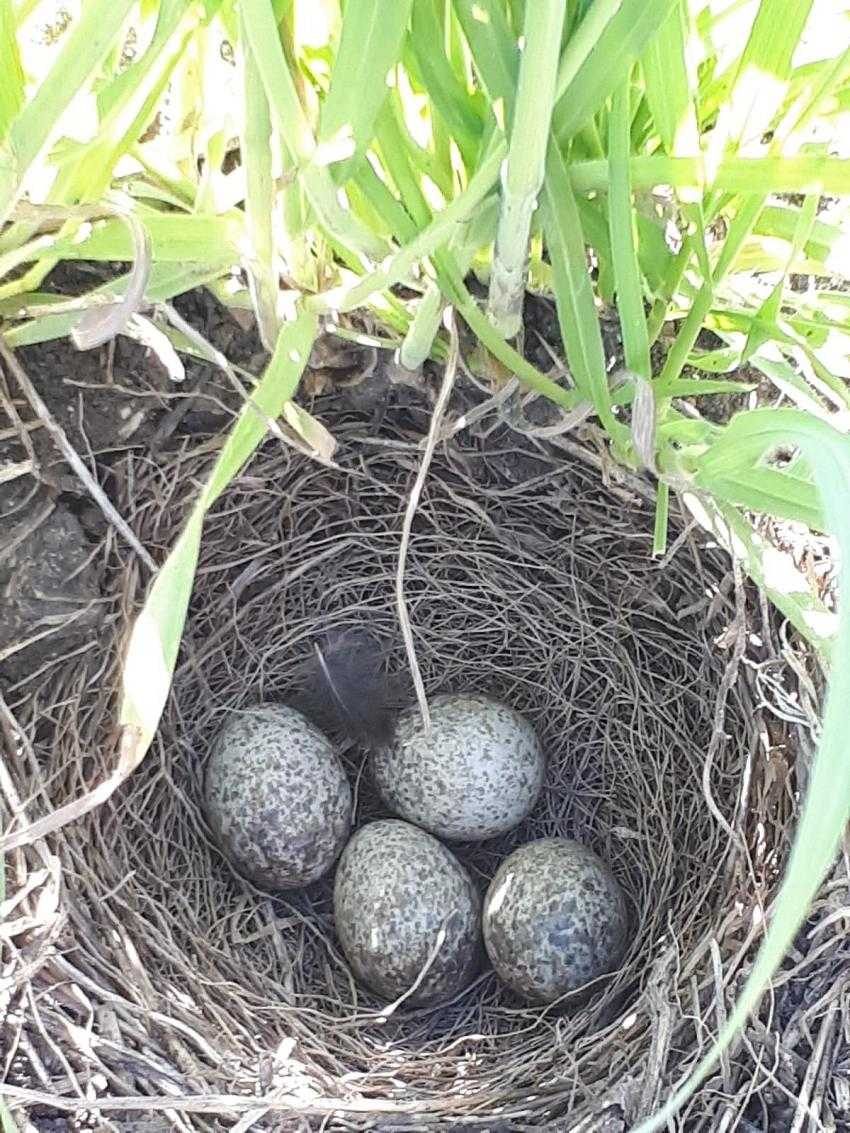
{"points": [[619, 43], [12, 86], [263, 39], [826, 809], [762, 75], [522, 175], [259, 202], [166, 280], [398, 266], [175, 238], [155, 638], [764, 175], [370, 46], [573, 293], [493, 47], [449, 95], [662, 515], [623, 251], [92, 36], [768, 491]]}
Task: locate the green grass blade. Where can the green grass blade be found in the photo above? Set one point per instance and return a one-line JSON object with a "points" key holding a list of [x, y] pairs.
{"points": [[421, 340], [762, 75], [618, 44], [263, 40], [12, 85], [440, 230], [166, 280], [764, 175], [662, 514], [164, 18], [381, 199], [126, 104], [370, 46], [174, 238], [524, 168], [696, 387], [493, 47], [395, 149], [449, 95], [768, 491], [97, 30], [573, 292], [623, 251], [826, 809], [424, 328], [259, 202], [583, 40], [668, 87], [156, 634], [773, 571], [790, 383], [820, 254], [671, 86], [514, 362], [683, 344]]}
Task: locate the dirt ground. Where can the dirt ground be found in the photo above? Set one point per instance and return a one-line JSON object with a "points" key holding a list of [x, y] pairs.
{"points": [[106, 401]]}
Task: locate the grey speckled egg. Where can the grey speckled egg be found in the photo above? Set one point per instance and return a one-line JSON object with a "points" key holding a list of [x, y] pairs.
{"points": [[396, 888], [476, 775], [277, 798], [554, 919]]}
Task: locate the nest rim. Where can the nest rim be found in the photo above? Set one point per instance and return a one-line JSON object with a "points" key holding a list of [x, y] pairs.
{"points": [[526, 1081]]}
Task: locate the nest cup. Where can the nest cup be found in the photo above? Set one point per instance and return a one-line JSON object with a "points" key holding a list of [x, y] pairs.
{"points": [[529, 579]]}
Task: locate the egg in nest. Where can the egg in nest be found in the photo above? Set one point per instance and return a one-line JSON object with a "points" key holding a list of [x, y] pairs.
{"points": [[476, 775], [402, 899], [554, 919], [277, 797]]}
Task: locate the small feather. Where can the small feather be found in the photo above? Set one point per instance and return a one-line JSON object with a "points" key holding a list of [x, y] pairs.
{"points": [[346, 688]]}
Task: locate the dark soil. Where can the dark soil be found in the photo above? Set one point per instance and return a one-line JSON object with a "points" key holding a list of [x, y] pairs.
{"points": [[107, 401], [50, 588]]}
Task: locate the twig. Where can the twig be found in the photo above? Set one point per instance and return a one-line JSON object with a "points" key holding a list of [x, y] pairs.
{"points": [[60, 627], [22, 532], [730, 676], [412, 503], [14, 471], [391, 1008], [804, 1102]]}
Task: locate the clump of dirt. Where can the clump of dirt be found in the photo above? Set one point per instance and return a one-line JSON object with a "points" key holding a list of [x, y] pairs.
{"points": [[49, 587]]}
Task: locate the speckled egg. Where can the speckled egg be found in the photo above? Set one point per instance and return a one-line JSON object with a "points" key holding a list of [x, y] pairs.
{"points": [[476, 775], [396, 890], [554, 919], [277, 798]]}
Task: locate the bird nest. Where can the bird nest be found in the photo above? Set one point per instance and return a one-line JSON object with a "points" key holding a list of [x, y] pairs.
{"points": [[151, 973]]}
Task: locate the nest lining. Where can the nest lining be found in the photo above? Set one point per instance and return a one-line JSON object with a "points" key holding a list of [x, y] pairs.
{"points": [[529, 580]]}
